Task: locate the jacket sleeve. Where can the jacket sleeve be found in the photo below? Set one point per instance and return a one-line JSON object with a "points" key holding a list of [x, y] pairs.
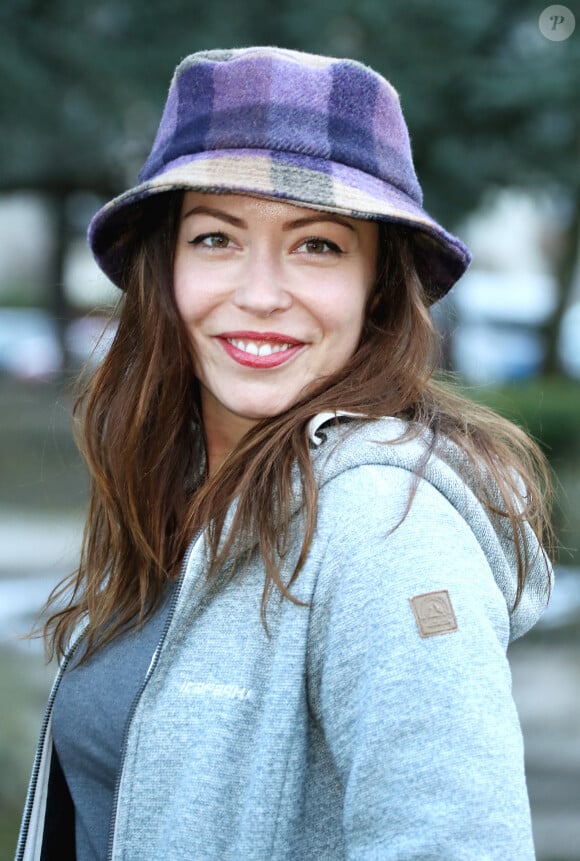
{"points": [[422, 730]]}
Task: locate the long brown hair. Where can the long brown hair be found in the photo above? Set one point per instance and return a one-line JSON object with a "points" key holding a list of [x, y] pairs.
{"points": [[141, 434]]}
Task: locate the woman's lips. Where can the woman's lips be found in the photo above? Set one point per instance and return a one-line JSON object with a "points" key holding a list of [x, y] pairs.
{"points": [[259, 349]]}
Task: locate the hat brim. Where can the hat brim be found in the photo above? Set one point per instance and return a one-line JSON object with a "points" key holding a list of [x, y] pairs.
{"points": [[441, 257]]}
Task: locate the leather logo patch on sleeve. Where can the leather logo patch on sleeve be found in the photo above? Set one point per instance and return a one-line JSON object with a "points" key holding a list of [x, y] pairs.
{"points": [[434, 613]]}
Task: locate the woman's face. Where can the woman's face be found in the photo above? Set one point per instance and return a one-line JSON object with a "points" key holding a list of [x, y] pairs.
{"points": [[273, 296]]}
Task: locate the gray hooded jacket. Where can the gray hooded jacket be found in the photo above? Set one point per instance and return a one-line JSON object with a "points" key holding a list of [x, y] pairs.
{"points": [[373, 722]]}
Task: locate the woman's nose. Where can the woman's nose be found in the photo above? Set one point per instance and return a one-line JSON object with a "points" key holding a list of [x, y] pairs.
{"points": [[261, 288]]}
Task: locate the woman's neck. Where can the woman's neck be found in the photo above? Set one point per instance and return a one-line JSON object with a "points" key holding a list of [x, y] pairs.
{"points": [[222, 431]]}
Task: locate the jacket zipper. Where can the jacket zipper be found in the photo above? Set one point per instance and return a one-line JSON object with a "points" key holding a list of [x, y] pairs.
{"points": [[26, 816], [152, 665]]}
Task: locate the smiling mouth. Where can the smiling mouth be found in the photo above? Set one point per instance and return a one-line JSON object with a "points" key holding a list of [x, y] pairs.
{"points": [[259, 348]]}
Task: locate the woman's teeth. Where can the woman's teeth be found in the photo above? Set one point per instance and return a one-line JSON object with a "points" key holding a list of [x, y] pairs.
{"points": [[263, 348]]}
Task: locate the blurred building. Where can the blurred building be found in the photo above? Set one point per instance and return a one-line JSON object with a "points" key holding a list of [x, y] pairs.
{"points": [[499, 308]]}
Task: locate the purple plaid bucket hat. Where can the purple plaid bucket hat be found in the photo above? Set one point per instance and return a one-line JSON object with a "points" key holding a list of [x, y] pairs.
{"points": [[315, 131]]}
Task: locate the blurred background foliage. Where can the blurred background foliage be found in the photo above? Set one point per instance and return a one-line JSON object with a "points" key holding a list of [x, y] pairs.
{"points": [[491, 105]]}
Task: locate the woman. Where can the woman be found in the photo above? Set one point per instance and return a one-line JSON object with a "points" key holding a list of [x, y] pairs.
{"points": [[304, 559]]}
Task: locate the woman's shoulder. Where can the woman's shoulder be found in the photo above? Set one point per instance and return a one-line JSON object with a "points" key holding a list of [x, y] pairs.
{"points": [[387, 470], [361, 460], [343, 442]]}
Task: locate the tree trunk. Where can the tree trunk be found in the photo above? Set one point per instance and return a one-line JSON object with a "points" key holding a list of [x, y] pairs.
{"points": [[564, 271]]}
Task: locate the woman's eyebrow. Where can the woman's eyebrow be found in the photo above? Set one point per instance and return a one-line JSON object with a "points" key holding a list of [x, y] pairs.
{"points": [[216, 213], [317, 219], [295, 224]]}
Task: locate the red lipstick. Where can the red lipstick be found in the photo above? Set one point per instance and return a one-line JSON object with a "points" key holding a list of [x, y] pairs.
{"points": [[240, 353]]}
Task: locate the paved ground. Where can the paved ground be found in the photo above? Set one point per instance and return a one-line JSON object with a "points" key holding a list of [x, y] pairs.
{"points": [[546, 679]]}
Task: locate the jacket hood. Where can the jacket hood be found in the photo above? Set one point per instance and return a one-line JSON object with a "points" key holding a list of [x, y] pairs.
{"points": [[446, 468]]}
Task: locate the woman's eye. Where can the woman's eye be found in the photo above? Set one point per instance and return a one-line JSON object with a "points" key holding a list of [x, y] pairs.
{"points": [[211, 240], [320, 246]]}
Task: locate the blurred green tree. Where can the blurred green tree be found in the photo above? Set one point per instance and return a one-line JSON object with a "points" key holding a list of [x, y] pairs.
{"points": [[490, 101]]}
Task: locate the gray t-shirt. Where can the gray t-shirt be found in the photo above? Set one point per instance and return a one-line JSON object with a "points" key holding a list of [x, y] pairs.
{"points": [[90, 713]]}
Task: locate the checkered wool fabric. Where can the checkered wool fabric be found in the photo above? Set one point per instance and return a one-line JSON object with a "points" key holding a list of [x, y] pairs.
{"points": [[312, 130]]}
